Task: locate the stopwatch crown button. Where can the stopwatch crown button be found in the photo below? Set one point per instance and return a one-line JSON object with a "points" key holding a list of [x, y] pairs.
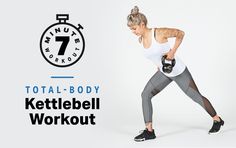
{"points": [[62, 17]]}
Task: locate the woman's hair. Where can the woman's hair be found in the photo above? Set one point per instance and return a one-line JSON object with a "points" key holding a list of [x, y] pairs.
{"points": [[135, 17]]}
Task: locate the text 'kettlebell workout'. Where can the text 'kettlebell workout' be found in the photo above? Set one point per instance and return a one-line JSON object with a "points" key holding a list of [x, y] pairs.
{"points": [[59, 110]]}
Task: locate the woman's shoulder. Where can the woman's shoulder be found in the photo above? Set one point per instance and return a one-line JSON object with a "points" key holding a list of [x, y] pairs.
{"points": [[160, 30]]}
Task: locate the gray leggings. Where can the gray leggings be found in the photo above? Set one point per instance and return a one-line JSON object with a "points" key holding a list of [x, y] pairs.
{"points": [[185, 81]]}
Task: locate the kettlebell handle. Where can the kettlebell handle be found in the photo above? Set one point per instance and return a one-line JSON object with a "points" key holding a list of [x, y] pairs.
{"points": [[164, 58]]}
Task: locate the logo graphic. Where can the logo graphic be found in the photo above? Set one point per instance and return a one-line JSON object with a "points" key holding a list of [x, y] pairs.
{"points": [[62, 44]]}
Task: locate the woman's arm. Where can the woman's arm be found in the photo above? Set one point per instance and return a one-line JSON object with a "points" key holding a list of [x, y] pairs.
{"points": [[164, 33]]}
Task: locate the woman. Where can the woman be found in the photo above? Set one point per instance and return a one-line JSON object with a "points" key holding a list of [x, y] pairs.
{"points": [[170, 68]]}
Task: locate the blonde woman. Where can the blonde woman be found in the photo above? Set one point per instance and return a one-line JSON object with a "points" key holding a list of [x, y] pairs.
{"points": [[170, 68]]}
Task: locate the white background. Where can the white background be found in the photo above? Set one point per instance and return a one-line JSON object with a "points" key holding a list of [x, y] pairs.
{"points": [[113, 59]]}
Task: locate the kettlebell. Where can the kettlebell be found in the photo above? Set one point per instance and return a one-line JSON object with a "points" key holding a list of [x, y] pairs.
{"points": [[167, 67]]}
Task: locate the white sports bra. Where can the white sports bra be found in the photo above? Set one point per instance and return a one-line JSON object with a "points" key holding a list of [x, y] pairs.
{"points": [[155, 53]]}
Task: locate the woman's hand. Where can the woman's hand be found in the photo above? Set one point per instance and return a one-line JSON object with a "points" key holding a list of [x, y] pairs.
{"points": [[170, 55]]}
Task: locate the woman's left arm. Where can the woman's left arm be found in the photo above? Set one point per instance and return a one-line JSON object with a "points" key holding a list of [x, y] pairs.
{"points": [[172, 32]]}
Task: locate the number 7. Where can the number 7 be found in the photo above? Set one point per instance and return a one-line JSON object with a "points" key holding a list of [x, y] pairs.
{"points": [[65, 40]]}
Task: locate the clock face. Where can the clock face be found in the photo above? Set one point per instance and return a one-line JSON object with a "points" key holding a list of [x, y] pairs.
{"points": [[62, 44]]}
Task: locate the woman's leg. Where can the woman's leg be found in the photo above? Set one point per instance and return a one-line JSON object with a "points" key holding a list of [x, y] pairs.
{"points": [[187, 84], [158, 82], [153, 87]]}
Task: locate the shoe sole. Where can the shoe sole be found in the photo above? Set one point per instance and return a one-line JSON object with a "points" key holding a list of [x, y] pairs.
{"points": [[141, 140]]}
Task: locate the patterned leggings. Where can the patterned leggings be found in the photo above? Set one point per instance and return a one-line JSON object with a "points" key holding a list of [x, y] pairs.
{"points": [[185, 81]]}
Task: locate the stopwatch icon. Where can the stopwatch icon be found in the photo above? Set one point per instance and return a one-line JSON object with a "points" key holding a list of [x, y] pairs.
{"points": [[62, 44]]}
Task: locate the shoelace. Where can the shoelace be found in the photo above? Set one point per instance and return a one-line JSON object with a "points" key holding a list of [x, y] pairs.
{"points": [[216, 124], [141, 131]]}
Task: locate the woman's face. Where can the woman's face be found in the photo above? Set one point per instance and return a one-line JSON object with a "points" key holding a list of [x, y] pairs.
{"points": [[137, 29]]}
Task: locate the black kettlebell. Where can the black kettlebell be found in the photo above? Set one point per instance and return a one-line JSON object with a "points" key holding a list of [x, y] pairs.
{"points": [[167, 67]]}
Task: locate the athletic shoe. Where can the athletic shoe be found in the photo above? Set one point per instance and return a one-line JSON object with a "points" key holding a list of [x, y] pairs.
{"points": [[145, 135], [216, 126]]}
